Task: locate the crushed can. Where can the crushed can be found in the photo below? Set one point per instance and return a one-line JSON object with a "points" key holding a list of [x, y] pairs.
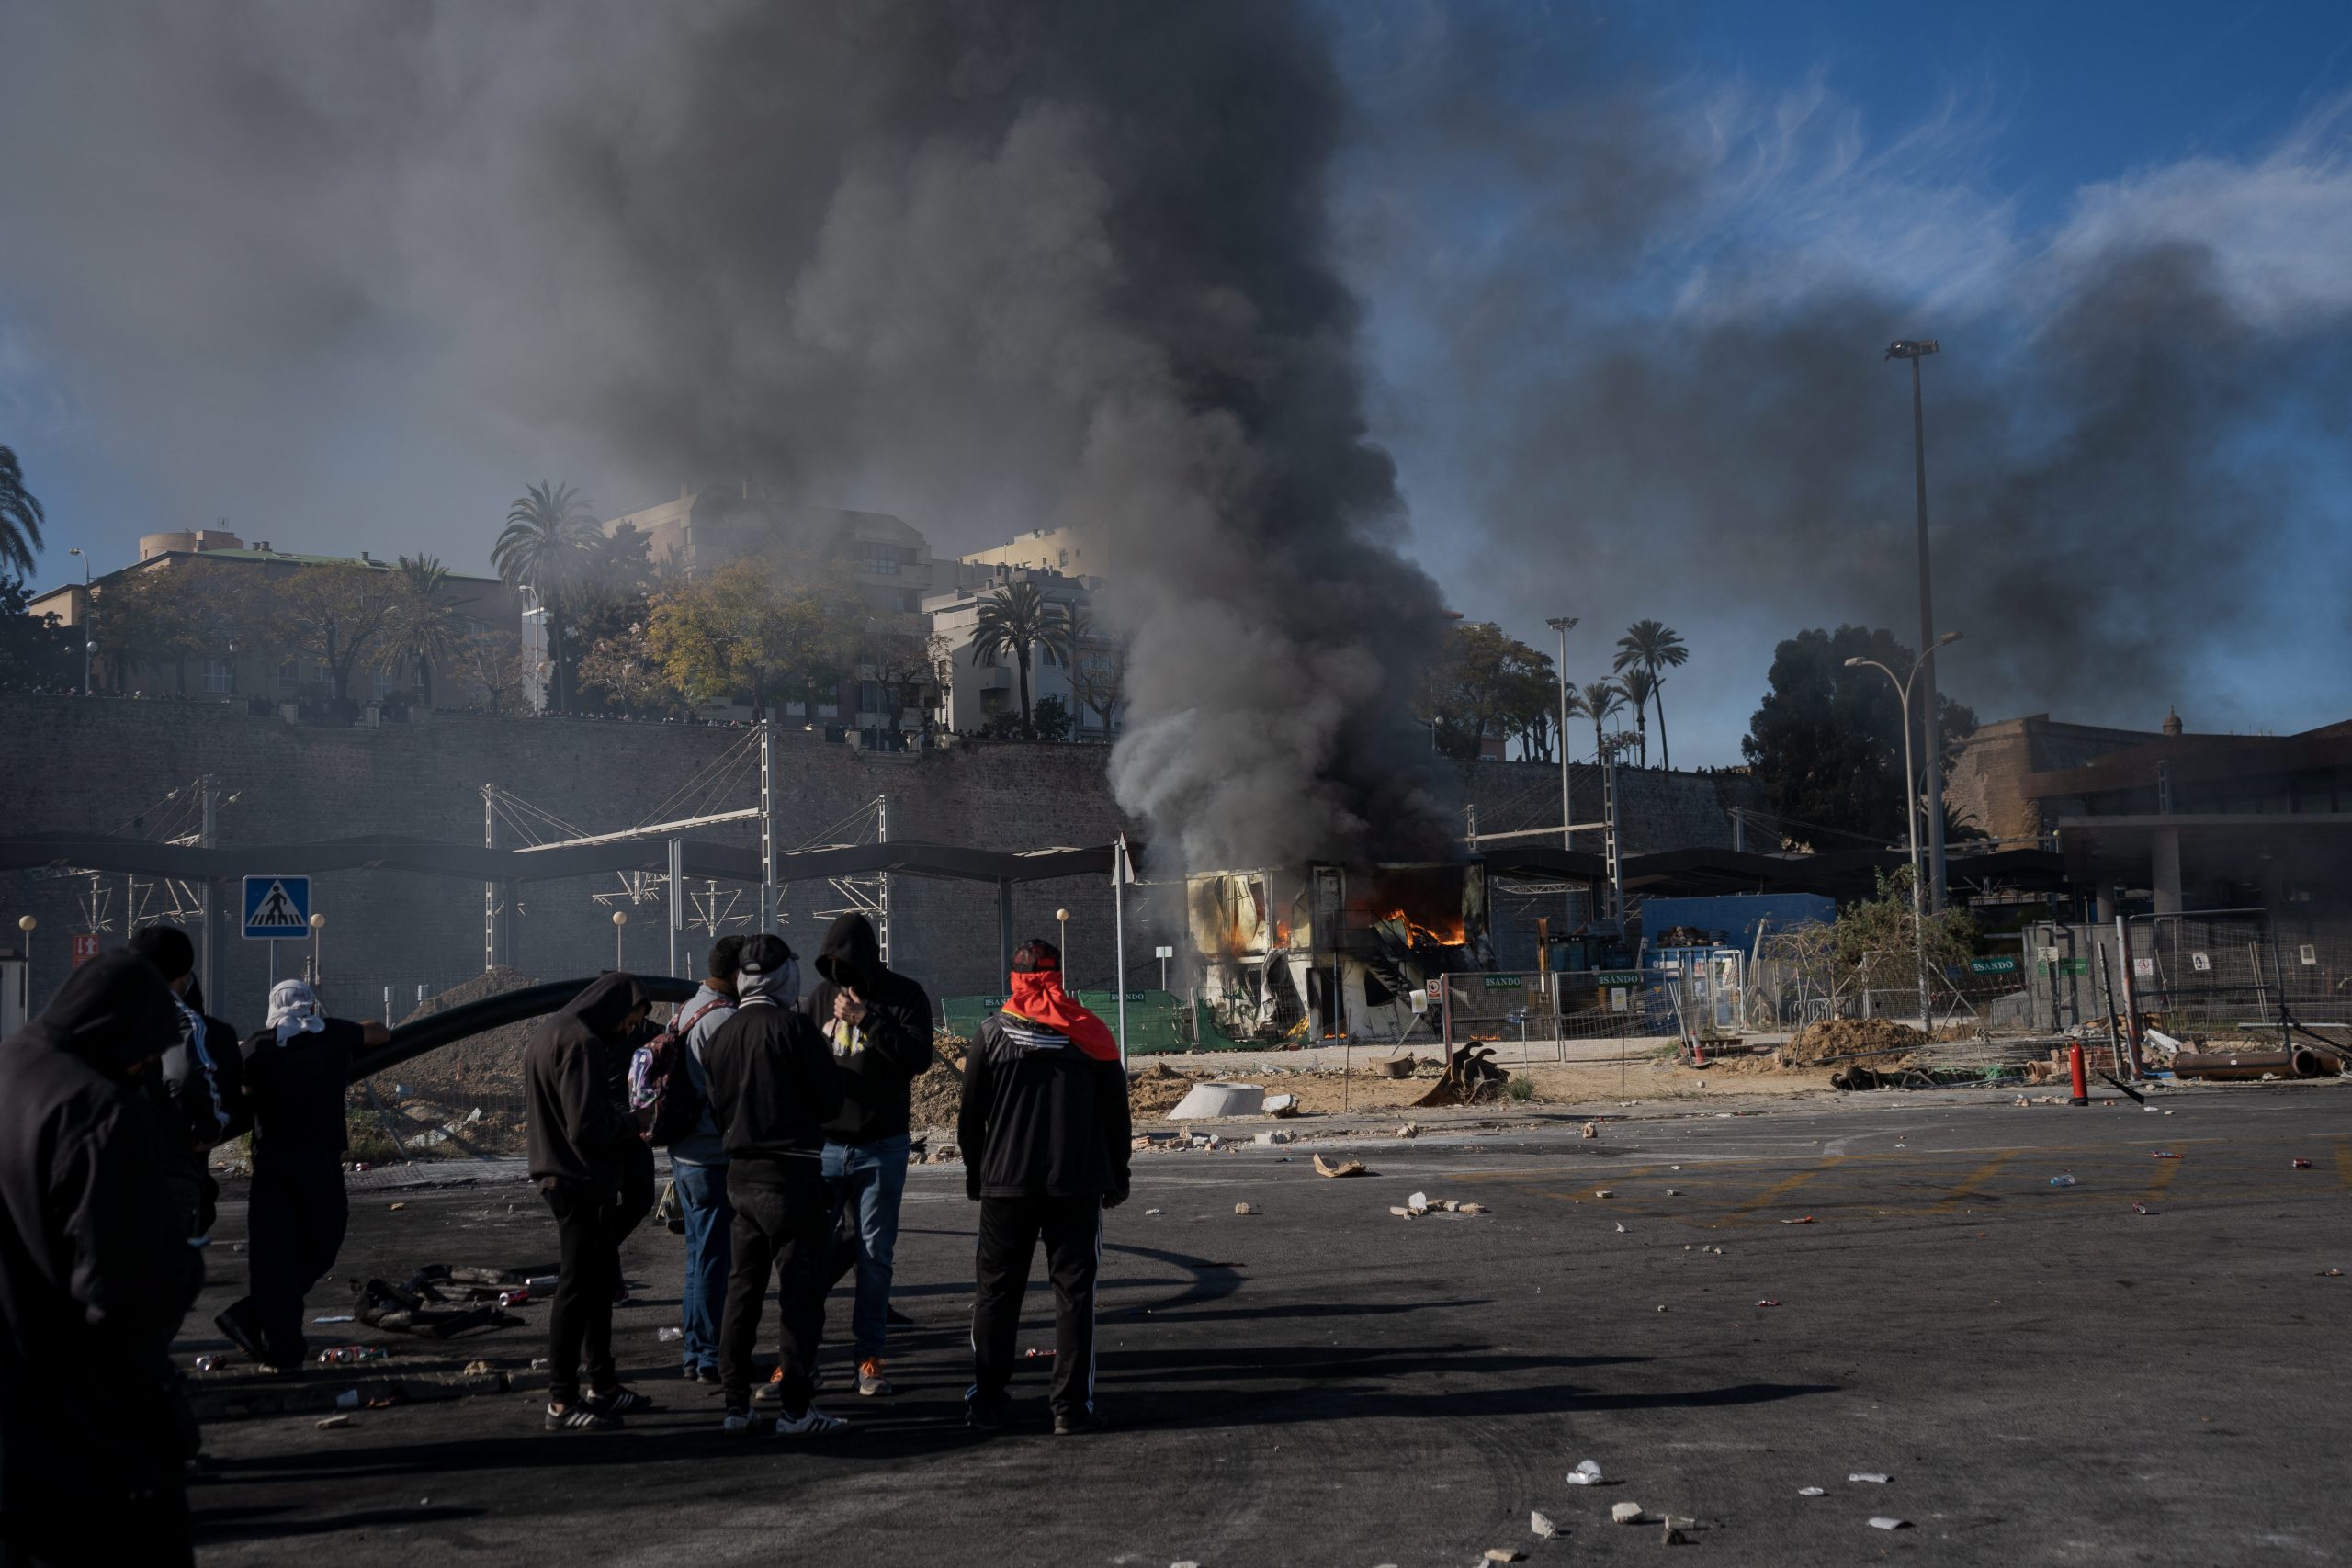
{"points": [[345, 1355]]}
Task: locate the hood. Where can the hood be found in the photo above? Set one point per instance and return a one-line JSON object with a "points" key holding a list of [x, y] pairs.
{"points": [[851, 955], [294, 1010], [604, 1006], [114, 1012], [769, 974]]}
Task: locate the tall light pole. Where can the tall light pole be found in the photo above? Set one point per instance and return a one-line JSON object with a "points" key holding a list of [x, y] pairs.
{"points": [[620, 924], [1062, 919], [25, 923], [1931, 735], [1561, 623], [318, 946], [1911, 815], [88, 619]]}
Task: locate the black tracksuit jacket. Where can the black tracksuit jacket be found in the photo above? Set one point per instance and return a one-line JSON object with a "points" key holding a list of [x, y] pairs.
{"points": [[1041, 1118], [772, 1087], [887, 1050]]}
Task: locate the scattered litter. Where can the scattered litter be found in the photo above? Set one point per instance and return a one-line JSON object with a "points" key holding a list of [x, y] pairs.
{"points": [[334, 1423], [2142, 1209], [1345, 1168], [396, 1208], [2302, 1164], [1409, 1130], [2162, 1154], [2023, 1100], [1243, 1209], [1661, 1306], [1627, 1513], [345, 1355], [1470, 1208], [1592, 1129], [338, 1317], [1806, 1221], [1541, 1523], [671, 1335], [1603, 1192], [1621, 1227], [479, 1368], [1871, 1477], [1813, 1491], [1401, 1212], [2061, 1180], [347, 1400], [2330, 1273], [1504, 1554], [1151, 1210], [1884, 1523], [1767, 1302], [1034, 1354], [210, 1363], [1586, 1473]]}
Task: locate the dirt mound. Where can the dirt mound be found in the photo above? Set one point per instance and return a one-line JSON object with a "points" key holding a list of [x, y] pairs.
{"points": [[1157, 1087], [481, 1066], [1850, 1037], [938, 1094]]}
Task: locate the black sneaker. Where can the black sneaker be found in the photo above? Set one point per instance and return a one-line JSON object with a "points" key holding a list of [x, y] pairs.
{"points": [[234, 1329], [580, 1418], [896, 1318], [985, 1415], [619, 1402], [1076, 1423], [707, 1374]]}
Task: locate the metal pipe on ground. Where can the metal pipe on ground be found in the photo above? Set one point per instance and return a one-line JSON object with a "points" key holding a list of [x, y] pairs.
{"points": [[2300, 1063]]}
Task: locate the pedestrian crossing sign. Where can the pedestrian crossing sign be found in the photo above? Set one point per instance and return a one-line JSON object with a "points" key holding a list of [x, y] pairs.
{"points": [[276, 908]]}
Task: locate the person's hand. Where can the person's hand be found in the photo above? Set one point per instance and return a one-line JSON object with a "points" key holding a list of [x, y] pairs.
{"points": [[972, 1189], [373, 1033], [848, 1007], [1112, 1199]]}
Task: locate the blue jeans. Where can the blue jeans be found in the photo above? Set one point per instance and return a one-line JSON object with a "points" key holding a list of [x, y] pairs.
{"points": [[701, 1198], [871, 1178]]}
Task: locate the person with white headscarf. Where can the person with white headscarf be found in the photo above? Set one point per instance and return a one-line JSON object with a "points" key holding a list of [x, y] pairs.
{"points": [[772, 1088], [296, 1071]]}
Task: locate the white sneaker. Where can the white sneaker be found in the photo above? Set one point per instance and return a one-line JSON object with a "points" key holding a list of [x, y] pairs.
{"points": [[815, 1423], [736, 1421]]}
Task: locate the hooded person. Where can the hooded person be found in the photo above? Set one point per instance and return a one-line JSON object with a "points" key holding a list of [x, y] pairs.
{"points": [[197, 1083], [94, 1280], [1045, 1134], [297, 1071], [581, 1157], [772, 1089], [879, 1023], [699, 1168]]}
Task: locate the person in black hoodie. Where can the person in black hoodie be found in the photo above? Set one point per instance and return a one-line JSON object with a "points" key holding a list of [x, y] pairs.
{"points": [[297, 1072], [772, 1088], [580, 1139], [197, 1082], [94, 1280], [1044, 1132], [879, 1023]]}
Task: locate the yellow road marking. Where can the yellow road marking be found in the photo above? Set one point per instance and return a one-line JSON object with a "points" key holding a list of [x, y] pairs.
{"points": [[1976, 1178], [1785, 1185], [2166, 1171]]}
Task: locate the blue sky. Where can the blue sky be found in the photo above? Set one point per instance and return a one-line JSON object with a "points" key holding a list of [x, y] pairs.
{"points": [[1952, 156]]}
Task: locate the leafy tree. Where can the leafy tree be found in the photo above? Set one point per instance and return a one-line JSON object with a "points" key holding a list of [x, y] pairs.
{"points": [[749, 626], [1654, 648], [550, 531], [1487, 682], [1638, 687], [1877, 937], [34, 649], [1018, 620], [621, 671], [425, 626], [1052, 720], [1099, 679], [338, 615], [1827, 741], [145, 620], [910, 667], [20, 517]]}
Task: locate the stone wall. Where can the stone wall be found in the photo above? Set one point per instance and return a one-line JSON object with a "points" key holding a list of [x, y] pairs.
{"points": [[76, 764], [1989, 766]]}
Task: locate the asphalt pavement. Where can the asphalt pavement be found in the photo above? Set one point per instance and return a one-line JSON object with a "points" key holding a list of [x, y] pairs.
{"points": [[2145, 1366]]}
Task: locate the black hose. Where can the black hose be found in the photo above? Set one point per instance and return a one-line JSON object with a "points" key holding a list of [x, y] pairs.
{"points": [[410, 1041]]}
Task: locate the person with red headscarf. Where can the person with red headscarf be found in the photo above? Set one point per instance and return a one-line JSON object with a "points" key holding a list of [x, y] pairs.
{"points": [[1045, 1134]]}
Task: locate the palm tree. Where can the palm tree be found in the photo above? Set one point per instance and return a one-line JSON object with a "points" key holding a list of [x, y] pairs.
{"points": [[548, 530], [1656, 647], [426, 627], [1638, 687], [1018, 619], [1598, 700], [20, 518]]}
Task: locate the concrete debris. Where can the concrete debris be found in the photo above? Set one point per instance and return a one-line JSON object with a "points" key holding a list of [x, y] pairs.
{"points": [[1271, 1136], [1345, 1168], [1151, 1210], [1210, 1099], [334, 1423], [1243, 1209], [1504, 1554], [1627, 1513], [1813, 1491], [1471, 1208], [1592, 1129], [479, 1368], [1418, 1203], [1409, 1130], [1282, 1105], [1540, 1524], [1401, 1212], [1884, 1523], [1586, 1473], [1868, 1477]]}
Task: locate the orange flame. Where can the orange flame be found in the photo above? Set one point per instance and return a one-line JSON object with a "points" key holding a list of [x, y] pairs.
{"points": [[1454, 935]]}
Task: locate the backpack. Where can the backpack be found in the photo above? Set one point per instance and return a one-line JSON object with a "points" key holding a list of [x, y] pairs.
{"points": [[661, 1091]]}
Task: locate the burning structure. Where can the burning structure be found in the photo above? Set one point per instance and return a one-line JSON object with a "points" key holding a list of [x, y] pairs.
{"points": [[1333, 952]]}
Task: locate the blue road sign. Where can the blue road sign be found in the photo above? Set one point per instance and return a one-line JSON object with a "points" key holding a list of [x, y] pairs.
{"points": [[276, 908]]}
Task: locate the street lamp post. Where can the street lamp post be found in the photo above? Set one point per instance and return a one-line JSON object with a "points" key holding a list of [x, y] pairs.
{"points": [[1932, 732], [1062, 919], [317, 947], [620, 923], [25, 923], [89, 618], [1911, 816], [1561, 623]]}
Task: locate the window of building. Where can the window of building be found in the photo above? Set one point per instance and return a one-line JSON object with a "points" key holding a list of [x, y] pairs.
{"points": [[220, 676], [385, 685], [883, 560]]}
